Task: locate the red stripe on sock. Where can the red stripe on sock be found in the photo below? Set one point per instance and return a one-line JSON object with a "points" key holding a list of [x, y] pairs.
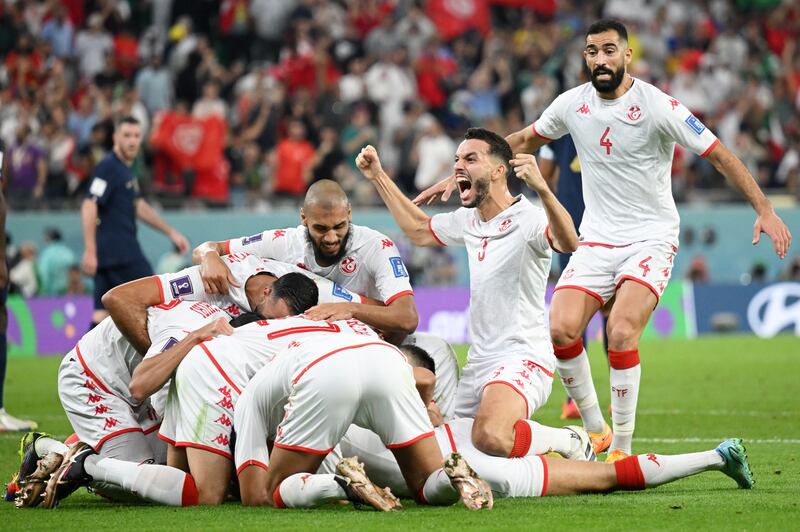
{"points": [[568, 351], [623, 359], [522, 439], [276, 498], [629, 474], [189, 495]]}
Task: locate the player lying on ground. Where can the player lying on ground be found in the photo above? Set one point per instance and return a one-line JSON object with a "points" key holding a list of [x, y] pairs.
{"points": [[535, 476], [305, 400], [354, 257]]}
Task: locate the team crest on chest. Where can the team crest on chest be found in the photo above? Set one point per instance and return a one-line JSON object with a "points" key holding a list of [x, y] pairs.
{"points": [[634, 113], [348, 265], [505, 225]]}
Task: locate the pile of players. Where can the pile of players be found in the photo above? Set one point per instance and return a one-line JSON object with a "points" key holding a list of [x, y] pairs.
{"points": [[282, 356]]}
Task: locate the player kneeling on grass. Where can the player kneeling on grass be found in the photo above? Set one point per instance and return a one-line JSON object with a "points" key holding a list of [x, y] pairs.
{"points": [[305, 400], [536, 476]]}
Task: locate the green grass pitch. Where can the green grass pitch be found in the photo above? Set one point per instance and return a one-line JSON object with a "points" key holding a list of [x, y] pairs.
{"points": [[694, 394]]}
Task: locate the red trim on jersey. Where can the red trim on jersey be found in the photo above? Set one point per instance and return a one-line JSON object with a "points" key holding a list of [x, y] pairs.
{"points": [[623, 359], [641, 282], [303, 449], [430, 228], [326, 355], [399, 294], [604, 245], [227, 247], [527, 409], [72, 438], [533, 127], [160, 288], [276, 497], [542, 369], [89, 372], [280, 333], [582, 289], [567, 352], [450, 437], [202, 447], [168, 440], [544, 476], [256, 463], [152, 429], [409, 442], [219, 368], [708, 150], [168, 306], [189, 495], [107, 437]]}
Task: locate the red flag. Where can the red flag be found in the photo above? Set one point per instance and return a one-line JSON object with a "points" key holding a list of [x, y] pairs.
{"points": [[546, 8], [454, 17]]}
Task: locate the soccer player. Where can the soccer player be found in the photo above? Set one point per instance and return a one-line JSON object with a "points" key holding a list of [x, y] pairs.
{"points": [[306, 400], [625, 131], [510, 367], [353, 256], [537, 476], [108, 215]]}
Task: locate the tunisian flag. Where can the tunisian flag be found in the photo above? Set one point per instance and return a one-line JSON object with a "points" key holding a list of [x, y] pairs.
{"points": [[196, 145], [454, 17]]}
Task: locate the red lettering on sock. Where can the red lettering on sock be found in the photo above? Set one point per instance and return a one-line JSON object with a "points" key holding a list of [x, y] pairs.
{"points": [[522, 439], [567, 352], [623, 359], [629, 474], [189, 495], [276, 498]]}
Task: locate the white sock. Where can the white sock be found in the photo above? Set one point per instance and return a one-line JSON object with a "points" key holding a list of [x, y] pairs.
{"points": [[438, 491], [659, 469], [624, 396], [306, 490], [157, 483], [576, 375], [46, 444], [546, 439]]}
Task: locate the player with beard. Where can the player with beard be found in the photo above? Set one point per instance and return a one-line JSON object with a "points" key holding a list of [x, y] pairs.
{"points": [[355, 257], [510, 365], [625, 131]]}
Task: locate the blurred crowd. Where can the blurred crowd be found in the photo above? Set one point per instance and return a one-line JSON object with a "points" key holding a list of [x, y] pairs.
{"points": [[246, 102]]}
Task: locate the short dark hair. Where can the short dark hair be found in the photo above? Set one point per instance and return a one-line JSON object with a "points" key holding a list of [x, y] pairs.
{"points": [[498, 146], [418, 357], [299, 291], [244, 319], [128, 119], [607, 24]]}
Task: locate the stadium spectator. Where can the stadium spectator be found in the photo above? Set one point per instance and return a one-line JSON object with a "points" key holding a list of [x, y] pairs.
{"points": [[27, 169], [91, 46], [154, 84], [433, 153], [60, 33], [22, 277], [293, 162], [54, 263]]}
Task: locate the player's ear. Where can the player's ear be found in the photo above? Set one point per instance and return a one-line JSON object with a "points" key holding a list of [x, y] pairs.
{"points": [[303, 216]]}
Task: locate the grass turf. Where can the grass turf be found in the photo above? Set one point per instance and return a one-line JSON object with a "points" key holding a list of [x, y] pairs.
{"points": [[695, 394]]}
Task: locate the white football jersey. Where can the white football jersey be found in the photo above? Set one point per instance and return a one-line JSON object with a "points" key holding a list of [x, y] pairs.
{"points": [[625, 147], [187, 284], [112, 359], [371, 265], [509, 261]]}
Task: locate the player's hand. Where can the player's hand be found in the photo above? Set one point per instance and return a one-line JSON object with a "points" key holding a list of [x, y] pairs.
{"points": [[443, 188], [525, 168], [771, 224], [180, 242], [218, 327], [89, 263], [435, 415], [369, 163], [217, 277], [330, 312]]}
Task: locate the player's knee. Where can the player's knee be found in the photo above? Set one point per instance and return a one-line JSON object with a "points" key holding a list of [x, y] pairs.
{"points": [[622, 335], [563, 333], [210, 495], [491, 439]]}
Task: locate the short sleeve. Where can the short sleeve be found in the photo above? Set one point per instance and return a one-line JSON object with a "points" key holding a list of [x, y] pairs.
{"points": [[272, 244], [390, 274], [448, 228], [186, 284], [551, 125], [678, 124], [101, 188], [538, 232]]}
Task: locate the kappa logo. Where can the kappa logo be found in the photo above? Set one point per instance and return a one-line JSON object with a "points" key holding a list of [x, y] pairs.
{"points": [[342, 292], [94, 398], [505, 225], [774, 309], [634, 113], [252, 239], [653, 458], [182, 286], [386, 243], [224, 420], [278, 233], [398, 267], [674, 103], [348, 265], [584, 110], [101, 409], [111, 423], [221, 439]]}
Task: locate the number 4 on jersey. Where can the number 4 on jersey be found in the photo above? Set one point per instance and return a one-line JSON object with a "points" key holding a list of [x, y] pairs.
{"points": [[605, 141]]}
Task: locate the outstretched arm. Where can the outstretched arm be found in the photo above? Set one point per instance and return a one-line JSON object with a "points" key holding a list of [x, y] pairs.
{"points": [[766, 220], [411, 219], [148, 215]]}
